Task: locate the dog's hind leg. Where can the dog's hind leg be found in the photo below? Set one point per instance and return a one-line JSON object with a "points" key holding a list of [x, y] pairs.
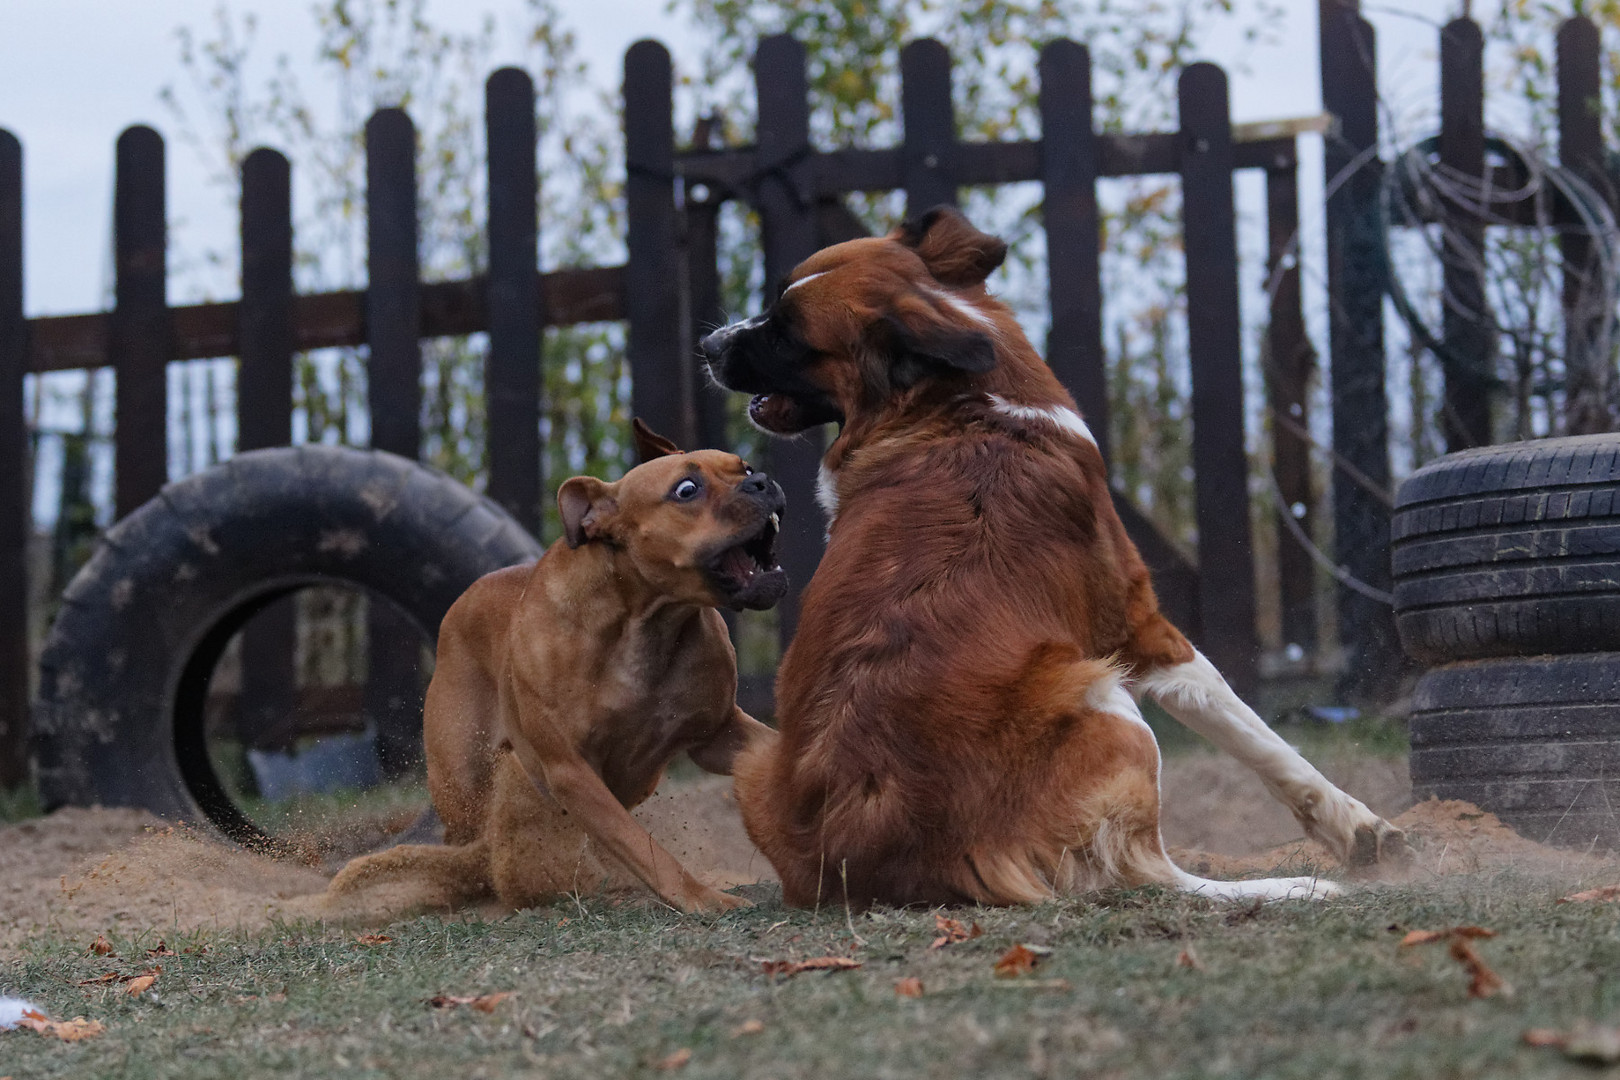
{"points": [[1122, 842], [1197, 696], [416, 876]]}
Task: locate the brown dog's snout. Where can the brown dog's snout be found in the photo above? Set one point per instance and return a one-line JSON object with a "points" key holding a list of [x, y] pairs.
{"points": [[765, 491]]}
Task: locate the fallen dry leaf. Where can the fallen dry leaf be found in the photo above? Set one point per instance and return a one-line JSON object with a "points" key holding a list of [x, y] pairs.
{"points": [[67, 1030], [676, 1060], [139, 984], [373, 939], [912, 988], [101, 946], [1544, 1037], [951, 931], [748, 1027], [481, 1002], [111, 976], [1189, 959], [1482, 981], [1602, 895], [161, 950], [1016, 961], [815, 963]]}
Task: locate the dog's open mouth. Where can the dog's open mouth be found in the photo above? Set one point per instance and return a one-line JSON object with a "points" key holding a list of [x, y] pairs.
{"points": [[747, 573], [784, 414]]}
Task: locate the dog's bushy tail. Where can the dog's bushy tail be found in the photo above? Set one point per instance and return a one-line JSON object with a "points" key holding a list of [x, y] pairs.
{"points": [[417, 876]]}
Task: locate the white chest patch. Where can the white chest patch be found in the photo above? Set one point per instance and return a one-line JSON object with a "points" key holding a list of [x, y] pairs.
{"points": [[1062, 416], [827, 493]]}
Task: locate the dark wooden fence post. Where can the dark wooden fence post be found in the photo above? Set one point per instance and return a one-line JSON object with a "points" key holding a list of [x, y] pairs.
{"points": [[704, 310], [1288, 378], [139, 347], [929, 151], [512, 369], [1214, 338], [1355, 254], [1074, 344], [16, 516], [787, 211], [1470, 344], [660, 364], [1580, 150], [264, 391], [394, 398]]}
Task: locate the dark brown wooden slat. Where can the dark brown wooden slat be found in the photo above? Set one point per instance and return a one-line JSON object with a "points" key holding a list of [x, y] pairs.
{"points": [[512, 366], [1214, 340], [928, 152], [1290, 361], [330, 320], [1470, 344], [1355, 253], [138, 332], [660, 362], [16, 516], [1580, 149], [705, 312], [394, 400], [1074, 345], [789, 226], [264, 390]]}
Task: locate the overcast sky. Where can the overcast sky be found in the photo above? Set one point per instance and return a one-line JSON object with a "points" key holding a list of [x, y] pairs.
{"points": [[74, 73]]}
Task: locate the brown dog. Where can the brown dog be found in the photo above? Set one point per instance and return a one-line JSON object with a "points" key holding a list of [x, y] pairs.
{"points": [[563, 689], [957, 720]]}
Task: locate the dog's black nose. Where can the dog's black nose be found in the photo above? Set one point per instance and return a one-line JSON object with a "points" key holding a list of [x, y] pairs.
{"points": [[755, 484], [710, 346]]}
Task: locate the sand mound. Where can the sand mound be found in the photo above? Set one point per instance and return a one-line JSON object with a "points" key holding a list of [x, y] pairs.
{"points": [[90, 871]]}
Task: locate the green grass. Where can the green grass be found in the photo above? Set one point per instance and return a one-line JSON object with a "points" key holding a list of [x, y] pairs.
{"points": [[1288, 990], [18, 803]]}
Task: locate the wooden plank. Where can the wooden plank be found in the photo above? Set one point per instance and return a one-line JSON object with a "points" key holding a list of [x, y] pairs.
{"points": [[393, 296], [1355, 254], [789, 225], [705, 310], [1470, 344], [264, 386], [394, 398], [16, 516], [1289, 365], [138, 330], [330, 320], [1214, 341], [512, 367], [264, 391], [1074, 345], [928, 151], [660, 362], [1580, 150]]}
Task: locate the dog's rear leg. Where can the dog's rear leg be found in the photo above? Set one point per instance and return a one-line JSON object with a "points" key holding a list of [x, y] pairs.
{"points": [[437, 876], [1197, 696]]}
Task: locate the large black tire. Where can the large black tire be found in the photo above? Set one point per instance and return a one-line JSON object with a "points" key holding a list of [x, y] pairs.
{"points": [[1536, 741], [1511, 550], [124, 672]]}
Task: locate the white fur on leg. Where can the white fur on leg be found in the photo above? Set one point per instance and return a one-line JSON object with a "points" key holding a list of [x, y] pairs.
{"points": [[1197, 696], [1109, 695]]}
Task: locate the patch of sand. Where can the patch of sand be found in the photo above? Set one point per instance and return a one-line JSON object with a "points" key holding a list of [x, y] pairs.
{"points": [[90, 871]]}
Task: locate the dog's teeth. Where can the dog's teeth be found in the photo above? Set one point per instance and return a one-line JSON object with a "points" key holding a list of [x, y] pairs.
{"points": [[776, 521]]}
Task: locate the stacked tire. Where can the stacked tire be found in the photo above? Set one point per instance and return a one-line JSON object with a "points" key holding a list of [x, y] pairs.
{"points": [[1507, 578]]}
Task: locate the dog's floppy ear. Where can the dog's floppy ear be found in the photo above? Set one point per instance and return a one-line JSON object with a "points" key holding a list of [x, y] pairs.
{"points": [[650, 444], [954, 251], [930, 344], [584, 503]]}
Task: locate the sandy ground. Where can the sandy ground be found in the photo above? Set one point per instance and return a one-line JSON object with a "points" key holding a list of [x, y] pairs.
{"points": [[90, 871]]}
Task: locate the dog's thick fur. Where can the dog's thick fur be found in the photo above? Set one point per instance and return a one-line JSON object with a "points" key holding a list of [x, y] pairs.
{"points": [[956, 713], [563, 689]]}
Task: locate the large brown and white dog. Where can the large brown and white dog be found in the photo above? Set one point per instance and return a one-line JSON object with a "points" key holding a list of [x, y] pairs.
{"points": [[957, 711]]}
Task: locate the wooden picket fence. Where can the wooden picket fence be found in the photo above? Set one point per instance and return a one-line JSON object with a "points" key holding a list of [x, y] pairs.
{"points": [[669, 289]]}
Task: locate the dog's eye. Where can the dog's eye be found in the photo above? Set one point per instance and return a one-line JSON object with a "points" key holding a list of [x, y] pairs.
{"points": [[686, 490]]}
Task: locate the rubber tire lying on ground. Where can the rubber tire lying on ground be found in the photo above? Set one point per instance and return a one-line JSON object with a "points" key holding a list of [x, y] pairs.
{"points": [[124, 672], [1534, 740], [1510, 550]]}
